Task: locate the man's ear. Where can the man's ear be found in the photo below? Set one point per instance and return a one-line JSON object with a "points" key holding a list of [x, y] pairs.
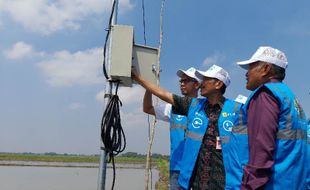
{"points": [[197, 85], [265, 69], [219, 84]]}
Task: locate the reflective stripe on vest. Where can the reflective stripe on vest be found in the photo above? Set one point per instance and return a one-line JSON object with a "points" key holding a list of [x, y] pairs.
{"points": [[225, 139], [194, 136], [291, 134], [241, 128], [175, 126]]}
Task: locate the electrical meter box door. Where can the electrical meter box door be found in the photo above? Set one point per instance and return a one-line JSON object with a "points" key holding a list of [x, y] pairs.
{"points": [[125, 54], [121, 54], [145, 61]]}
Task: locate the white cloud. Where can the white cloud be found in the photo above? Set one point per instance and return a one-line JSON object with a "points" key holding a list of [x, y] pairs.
{"points": [[100, 96], [65, 69], [131, 95], [21, 50], [75, 106], [216, 58], [135, 118], [46, 16], [128, 96]]}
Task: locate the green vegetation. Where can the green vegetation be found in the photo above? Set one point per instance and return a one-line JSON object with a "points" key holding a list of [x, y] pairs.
{"points": [[47, 157], [163, 167], [129, 157]]}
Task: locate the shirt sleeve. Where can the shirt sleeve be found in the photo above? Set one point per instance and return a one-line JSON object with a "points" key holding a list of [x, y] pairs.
{"points": [[163, 112], [181, 104], [263, 113]]}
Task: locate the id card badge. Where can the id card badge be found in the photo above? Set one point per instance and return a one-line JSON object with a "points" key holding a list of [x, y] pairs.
{"points": [[218, 145]]}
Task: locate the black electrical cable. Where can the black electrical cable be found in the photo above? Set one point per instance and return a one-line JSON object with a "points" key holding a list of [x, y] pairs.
{"points": [[112, 134], [106, 41], [143, 15]]}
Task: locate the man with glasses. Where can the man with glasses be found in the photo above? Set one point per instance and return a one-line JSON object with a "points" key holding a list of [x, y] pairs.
{"points": [[189, 86]]}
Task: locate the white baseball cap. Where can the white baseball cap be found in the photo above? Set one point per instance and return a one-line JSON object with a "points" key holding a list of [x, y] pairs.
{"points": [[215, 72], [189, 72], [266, 54]]}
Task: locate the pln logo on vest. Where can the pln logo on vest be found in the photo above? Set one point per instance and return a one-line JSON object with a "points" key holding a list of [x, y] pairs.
{"points": [[179, 117], [225, 114], [197, 123], [227, 125]]}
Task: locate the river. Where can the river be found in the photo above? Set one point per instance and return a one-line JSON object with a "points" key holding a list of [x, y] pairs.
{"points": [[70, 178]]}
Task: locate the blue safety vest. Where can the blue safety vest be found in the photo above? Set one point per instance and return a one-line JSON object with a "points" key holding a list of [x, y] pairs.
{"points": [[233, 136], [290, 159], [178, 125]]}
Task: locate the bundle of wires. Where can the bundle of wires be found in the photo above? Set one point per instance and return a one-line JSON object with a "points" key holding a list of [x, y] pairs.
{"points": [[112, 134], [106, 41]]}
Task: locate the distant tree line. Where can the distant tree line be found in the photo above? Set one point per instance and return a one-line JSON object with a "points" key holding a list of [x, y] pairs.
{"points": [[127, 154], [137, 155]]}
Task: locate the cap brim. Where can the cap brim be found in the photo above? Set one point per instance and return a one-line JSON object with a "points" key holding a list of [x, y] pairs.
{"points": [[199, 75], [180, 73], [245, 64]]}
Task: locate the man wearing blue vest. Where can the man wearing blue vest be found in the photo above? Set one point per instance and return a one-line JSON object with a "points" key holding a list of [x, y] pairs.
{"points": [[189, 86], [276, 126], [212, 156]]}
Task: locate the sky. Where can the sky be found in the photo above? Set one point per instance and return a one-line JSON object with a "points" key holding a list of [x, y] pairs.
{"points": [[51, 52]]}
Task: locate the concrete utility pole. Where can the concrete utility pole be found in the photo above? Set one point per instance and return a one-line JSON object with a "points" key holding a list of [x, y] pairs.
{"points": [[107, 96]]}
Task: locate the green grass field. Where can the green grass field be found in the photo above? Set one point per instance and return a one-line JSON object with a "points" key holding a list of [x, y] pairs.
{"points": [[70, 158], [48, 158]]}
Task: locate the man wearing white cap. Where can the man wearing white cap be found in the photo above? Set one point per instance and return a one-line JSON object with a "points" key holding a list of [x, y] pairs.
{"points": [[210, 123], [276, 126], [189, 86]]}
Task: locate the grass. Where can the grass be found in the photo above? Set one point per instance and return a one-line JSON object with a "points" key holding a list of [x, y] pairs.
{"points": [[70, 158], [48, 158], [163, 167]]}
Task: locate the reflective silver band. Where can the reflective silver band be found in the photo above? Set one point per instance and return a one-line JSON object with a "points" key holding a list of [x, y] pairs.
{"points": [[291, 134], [176, 126], [240, 129], [194, 136], [225, 139]]}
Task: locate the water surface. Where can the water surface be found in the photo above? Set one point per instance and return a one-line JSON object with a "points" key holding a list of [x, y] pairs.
{"points": [[72, 178]]}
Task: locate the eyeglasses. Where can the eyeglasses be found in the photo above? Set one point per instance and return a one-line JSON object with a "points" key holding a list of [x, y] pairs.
{"points": [[186, 80]]}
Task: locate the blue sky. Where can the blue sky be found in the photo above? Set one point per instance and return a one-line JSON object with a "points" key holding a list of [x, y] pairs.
{"points": [[51, 77]]}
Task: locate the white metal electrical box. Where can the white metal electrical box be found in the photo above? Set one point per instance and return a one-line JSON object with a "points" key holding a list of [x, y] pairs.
{"points": [[121, 53], [145, 60], [125, 54]]}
